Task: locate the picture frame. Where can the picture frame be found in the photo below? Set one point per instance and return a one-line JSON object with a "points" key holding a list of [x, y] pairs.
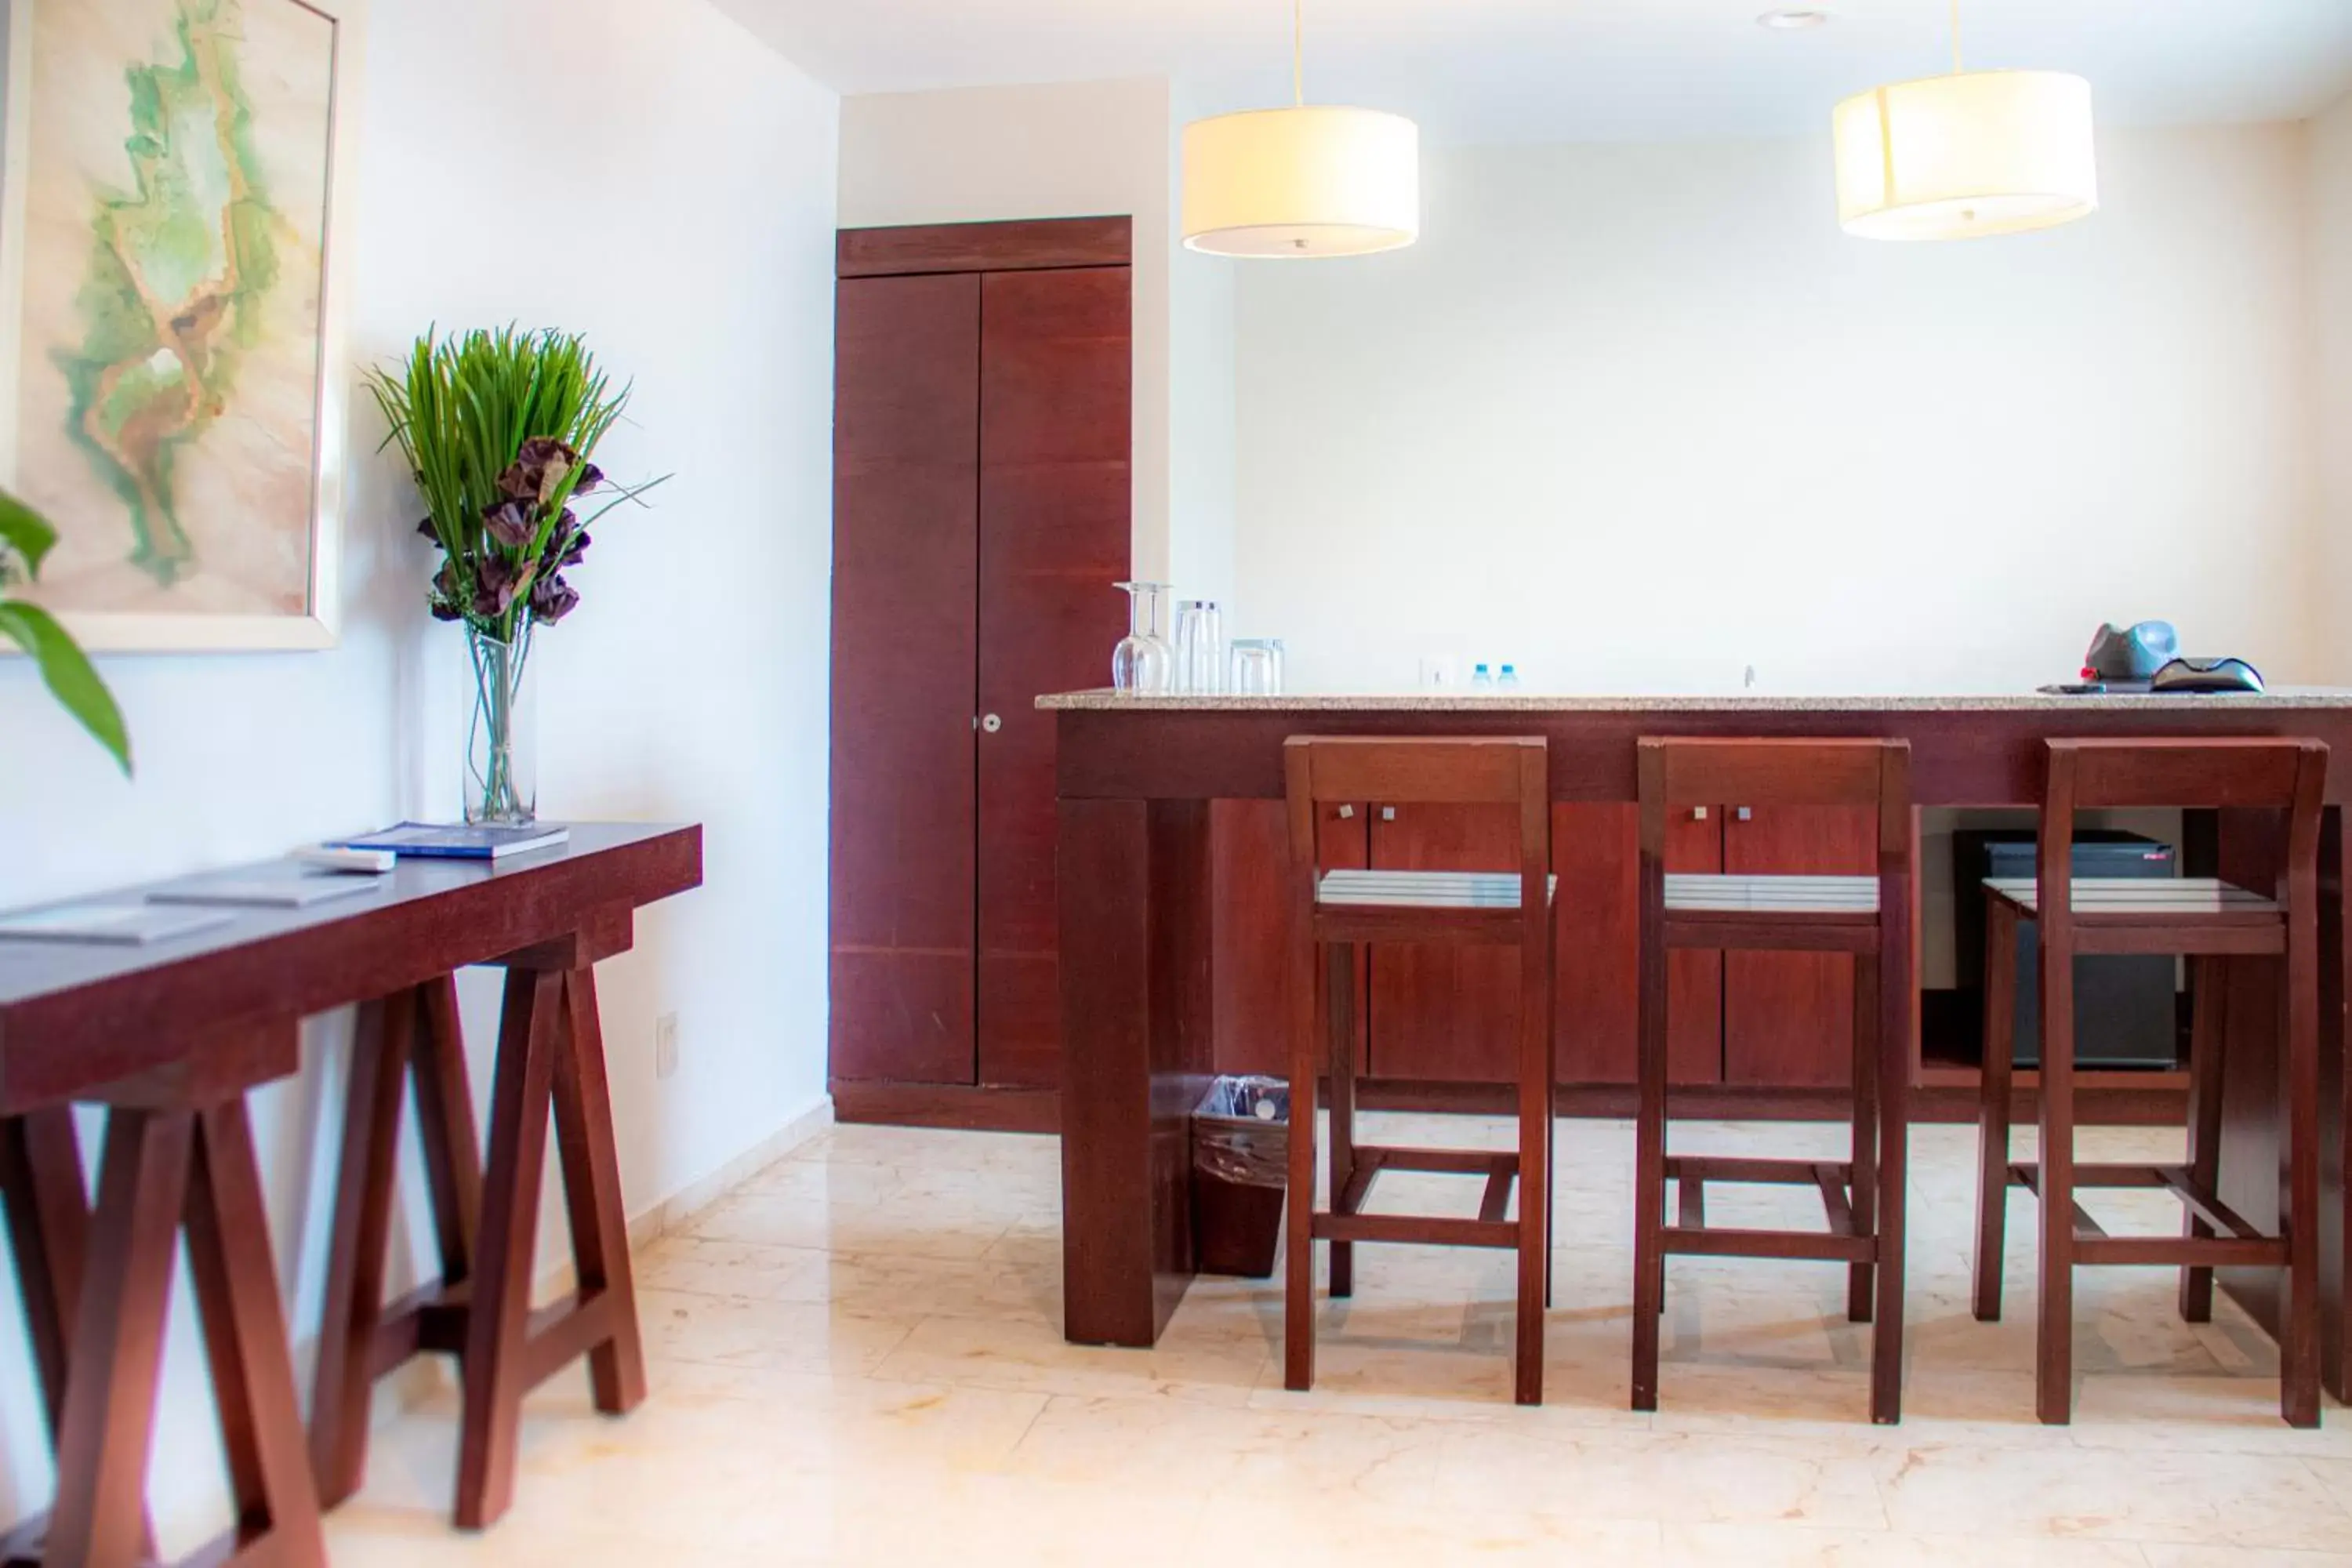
{"points": [[112, 608]]}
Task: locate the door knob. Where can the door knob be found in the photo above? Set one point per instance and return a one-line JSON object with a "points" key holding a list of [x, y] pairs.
{"points": [[991, 723]]}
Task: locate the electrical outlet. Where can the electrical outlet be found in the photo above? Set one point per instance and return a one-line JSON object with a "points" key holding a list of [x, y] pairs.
{"points": [[666, 1046]]}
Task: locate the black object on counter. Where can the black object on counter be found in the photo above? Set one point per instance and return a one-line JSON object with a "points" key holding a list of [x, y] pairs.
{"points": [[2206, 675], [2125, 1016]]}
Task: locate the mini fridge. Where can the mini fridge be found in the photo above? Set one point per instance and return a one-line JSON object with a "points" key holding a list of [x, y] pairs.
{"points": [[2125, 1016]]}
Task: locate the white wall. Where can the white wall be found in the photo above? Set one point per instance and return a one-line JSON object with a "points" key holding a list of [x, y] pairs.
{"points": [[1203, 435], [2330, 209], [1066, 149], [1637, 418], [514, 165]]}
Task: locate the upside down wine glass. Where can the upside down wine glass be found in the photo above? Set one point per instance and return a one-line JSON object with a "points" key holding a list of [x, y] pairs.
{"points": [[1143, 661]]}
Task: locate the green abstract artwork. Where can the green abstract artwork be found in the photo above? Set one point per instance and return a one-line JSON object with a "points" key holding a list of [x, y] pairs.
{"points": [[177, 271], [176, 186]]}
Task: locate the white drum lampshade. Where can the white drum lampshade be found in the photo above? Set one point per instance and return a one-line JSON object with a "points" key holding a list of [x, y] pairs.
{"points": [[1966, 155], [1311, 181]]}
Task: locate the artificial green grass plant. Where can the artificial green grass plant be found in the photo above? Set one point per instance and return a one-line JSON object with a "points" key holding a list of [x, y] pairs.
{"points": [[498, 428]]}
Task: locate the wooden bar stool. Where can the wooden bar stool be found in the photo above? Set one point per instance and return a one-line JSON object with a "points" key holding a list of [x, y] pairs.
{"points": [[2219, 927], [1341, 911], [551, 1065], [1869, 917]]}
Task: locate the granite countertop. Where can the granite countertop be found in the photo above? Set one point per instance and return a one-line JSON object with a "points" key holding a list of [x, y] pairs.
{"points": [[1104, 699]]}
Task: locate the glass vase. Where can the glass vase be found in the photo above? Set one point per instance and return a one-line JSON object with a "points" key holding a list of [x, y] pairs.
{"points": [[501, 781], [1143, 661]]}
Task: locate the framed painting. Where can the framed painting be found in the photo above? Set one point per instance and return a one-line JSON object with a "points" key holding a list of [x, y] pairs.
{"points": [[174, 387]]}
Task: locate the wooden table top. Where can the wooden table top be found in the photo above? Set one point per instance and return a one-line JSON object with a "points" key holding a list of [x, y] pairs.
{"points": [[76, 1016], [1965, 751]]}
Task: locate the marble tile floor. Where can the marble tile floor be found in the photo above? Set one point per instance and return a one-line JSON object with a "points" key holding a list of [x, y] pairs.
{"points": [[857, 1359]]}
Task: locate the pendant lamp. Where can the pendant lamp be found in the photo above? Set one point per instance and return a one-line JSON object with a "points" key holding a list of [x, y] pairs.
{"points": [[1967, 156], [1310, 180]]}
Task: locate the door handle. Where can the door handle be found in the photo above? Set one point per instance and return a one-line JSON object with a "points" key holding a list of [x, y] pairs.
{"points": [[991, 723]]}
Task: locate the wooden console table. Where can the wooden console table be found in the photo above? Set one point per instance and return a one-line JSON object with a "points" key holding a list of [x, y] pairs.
{"points": [[169, 1038], [1135, 774]]}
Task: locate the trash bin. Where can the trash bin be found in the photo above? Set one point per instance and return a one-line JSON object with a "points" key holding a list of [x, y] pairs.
{"points": [[1241, 1165]]}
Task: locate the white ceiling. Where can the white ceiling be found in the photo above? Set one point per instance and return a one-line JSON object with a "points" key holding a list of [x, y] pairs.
{"points": [[1520, 71]]}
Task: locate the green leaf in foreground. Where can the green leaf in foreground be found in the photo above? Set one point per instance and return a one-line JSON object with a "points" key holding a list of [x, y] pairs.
{"points": [[23, 530], [69, 675]]}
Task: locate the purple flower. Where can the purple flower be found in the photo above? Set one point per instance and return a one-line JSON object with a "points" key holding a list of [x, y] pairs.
{"points": [[539, 470], [565, 546], [551, 598], [497, 585], [512, 523], [444, 600]]}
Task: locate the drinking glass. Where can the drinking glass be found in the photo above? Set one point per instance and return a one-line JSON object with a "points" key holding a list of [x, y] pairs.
{"points": [[1200, 647], [1257, 667], [1142, 662]]}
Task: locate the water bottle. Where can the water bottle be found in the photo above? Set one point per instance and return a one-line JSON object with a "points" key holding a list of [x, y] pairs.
{"points": [[1482, 680], [1510, 680]]}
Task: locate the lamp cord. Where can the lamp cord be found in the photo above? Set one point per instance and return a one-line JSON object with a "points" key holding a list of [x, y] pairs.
{"points": [[1955, 38], [1298, 52]]}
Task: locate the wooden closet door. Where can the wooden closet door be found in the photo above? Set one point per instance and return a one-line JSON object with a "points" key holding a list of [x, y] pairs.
{"points": [[1055, 496], [905, 656], [1788, 1017]]}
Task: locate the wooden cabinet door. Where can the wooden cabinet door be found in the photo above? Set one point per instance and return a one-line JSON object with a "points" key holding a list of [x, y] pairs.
{"points": [[1055, 366], [1250, 898], [1596, 852], [1444, 1014], [905, 557], [1788, 1017]]}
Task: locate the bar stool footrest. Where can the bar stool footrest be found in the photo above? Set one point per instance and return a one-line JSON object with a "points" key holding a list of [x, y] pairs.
{"points": [[1797, 1246], [1691, 1173], [1417, 1230], [2241, 1244], [1693, 1238], [1347, 1221]]}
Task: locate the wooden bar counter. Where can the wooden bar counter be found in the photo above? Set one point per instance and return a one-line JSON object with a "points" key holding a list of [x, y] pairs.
{"points": [[1136, 778], [169, 1038]]}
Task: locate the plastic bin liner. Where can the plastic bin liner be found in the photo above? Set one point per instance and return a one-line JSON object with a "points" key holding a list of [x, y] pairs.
{"points": [[1241, 1131]]}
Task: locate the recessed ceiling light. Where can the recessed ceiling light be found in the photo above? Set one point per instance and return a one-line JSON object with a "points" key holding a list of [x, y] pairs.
{"points": [[1793, 19]]}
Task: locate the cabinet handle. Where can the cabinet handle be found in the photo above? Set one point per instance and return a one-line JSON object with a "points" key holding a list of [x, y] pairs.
{"points": [[991, 723], [1346, 812], [1388, 813], [1747, 814], [1699, 814]]}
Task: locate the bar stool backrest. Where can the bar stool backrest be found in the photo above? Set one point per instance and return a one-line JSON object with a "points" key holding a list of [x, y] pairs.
{"points": [[2289, 775], [1686, 772], [1498, 771]]}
